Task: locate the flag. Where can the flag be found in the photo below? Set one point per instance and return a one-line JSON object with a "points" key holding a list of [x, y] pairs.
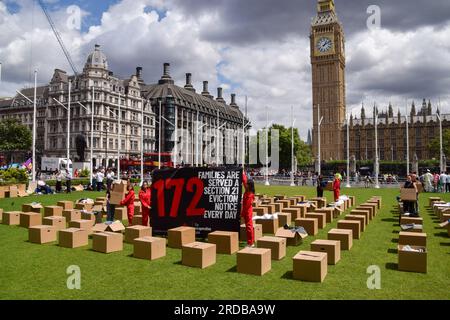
{"points": [[28, 164]]}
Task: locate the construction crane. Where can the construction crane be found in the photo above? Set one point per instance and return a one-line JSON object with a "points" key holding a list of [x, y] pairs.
{"points": [[58, 37]]}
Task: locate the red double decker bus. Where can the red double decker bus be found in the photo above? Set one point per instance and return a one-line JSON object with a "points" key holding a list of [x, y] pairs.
{"points": [[150, 162]]}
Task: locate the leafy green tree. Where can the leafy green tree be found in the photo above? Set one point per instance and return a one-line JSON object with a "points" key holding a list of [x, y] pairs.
{"points": [[301, 150], [14, 137], [434, 146]]}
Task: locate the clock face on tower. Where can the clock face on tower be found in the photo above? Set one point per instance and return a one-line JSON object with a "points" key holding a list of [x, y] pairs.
{"points": [[324, 45]]}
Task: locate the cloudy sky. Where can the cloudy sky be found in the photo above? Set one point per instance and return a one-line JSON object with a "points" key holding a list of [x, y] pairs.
{"points": [[258, 48]]}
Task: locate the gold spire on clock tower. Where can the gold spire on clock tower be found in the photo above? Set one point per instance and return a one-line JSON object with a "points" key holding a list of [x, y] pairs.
{"points": [[328, 80]]}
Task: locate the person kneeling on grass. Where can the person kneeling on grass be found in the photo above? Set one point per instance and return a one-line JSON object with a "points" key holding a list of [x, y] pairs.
{"points": [[247, 209], [129, 202], [145, 198]]}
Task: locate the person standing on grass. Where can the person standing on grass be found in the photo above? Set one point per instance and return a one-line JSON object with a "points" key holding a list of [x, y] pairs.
{"points": [[59, 178], [336, 187], [110, 208], [247, 209], [128, 201], [100, 177], [447, 182], [409, 206], [145, 195], [68, 181], [320, 186]]}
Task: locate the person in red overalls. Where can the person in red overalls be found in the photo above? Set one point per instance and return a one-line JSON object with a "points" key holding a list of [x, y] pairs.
{"points": [[336, 187], [145, 198], [247, 209], [129, 202]]}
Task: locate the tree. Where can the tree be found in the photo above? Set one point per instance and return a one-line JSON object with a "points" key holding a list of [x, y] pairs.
{"points": [[301, 150], [14, 137], [434, 146]]}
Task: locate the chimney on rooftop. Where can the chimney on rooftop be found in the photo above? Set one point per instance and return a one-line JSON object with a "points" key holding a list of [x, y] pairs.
{"points": [[166, 75], [220, 95], [188, 85]]}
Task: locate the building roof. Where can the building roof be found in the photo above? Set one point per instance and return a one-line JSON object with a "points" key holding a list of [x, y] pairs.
{"points": [[192, 100]]}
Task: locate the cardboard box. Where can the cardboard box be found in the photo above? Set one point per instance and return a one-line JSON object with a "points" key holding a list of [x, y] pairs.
{"points": [[198, 254], [361, 219], [53, 211], [329, 213], [135, 232], [270, 208], [30, 219], [84, 206], [269, 225], [120, 213], [41, 234], [73, 238], [371, 205], [368, 208], [226, 242], [408, 194], [107, 242], [121, 186], [353, 225], [345, 236], [303, 209], [312, 206], [86, 215], [412, 238], [99, 227], [255, 261], [32, 207], [66, 205], [260, 211], [364, 213], [78, 187], [412, 261], [376, 201], [329, 186], [309, 224], [72, 214], [82, 224], [101, 199], [331, 247], [116, 226], [410, 220], [178, 237], [310, 266], [137, 220], [13, 192], [1, 214], [299, 198], [445, 217], [279, 197], [294, 212], [11, 218], [97, 208], [352, 200], [56, 222], [292, 238], [276, 245], [284, 204], [321, 202], [149, 248], [284, 218], [2, 194], [257, 232], [419, 187], [431, 200], [137, 208], [116, 197], [321, 218]]}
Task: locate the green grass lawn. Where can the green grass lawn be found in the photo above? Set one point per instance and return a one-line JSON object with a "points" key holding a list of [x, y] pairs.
{"points": [[30, 271]]}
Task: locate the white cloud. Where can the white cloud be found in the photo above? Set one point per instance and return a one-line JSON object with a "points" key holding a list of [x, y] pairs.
{"points": [[383, 65]]}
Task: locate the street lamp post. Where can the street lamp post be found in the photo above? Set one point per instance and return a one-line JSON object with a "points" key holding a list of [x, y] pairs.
{"points": [[319, 123], [377, 184], [68, 127], [292, 148], [441, 150], [267, 147], [92, 134], [159, 137], [119, 137], [407, 139], [348, 153]]}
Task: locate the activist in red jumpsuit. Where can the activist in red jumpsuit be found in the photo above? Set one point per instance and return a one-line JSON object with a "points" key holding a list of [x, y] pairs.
{"points": [[129, 202], [145, 198], [336, 188], [247, 209]]}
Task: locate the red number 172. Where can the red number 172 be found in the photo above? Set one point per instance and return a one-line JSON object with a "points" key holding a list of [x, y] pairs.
{"points": [[178, 184]]}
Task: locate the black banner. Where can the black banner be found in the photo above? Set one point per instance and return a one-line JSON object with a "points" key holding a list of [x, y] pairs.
{"points": [[208, 199]]}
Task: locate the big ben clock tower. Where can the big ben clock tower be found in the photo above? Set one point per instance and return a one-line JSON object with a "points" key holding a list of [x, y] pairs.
{"points": [[328, 81]]}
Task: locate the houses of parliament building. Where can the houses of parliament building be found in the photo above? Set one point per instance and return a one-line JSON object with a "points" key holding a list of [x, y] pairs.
{"points": [[329, 106]]}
